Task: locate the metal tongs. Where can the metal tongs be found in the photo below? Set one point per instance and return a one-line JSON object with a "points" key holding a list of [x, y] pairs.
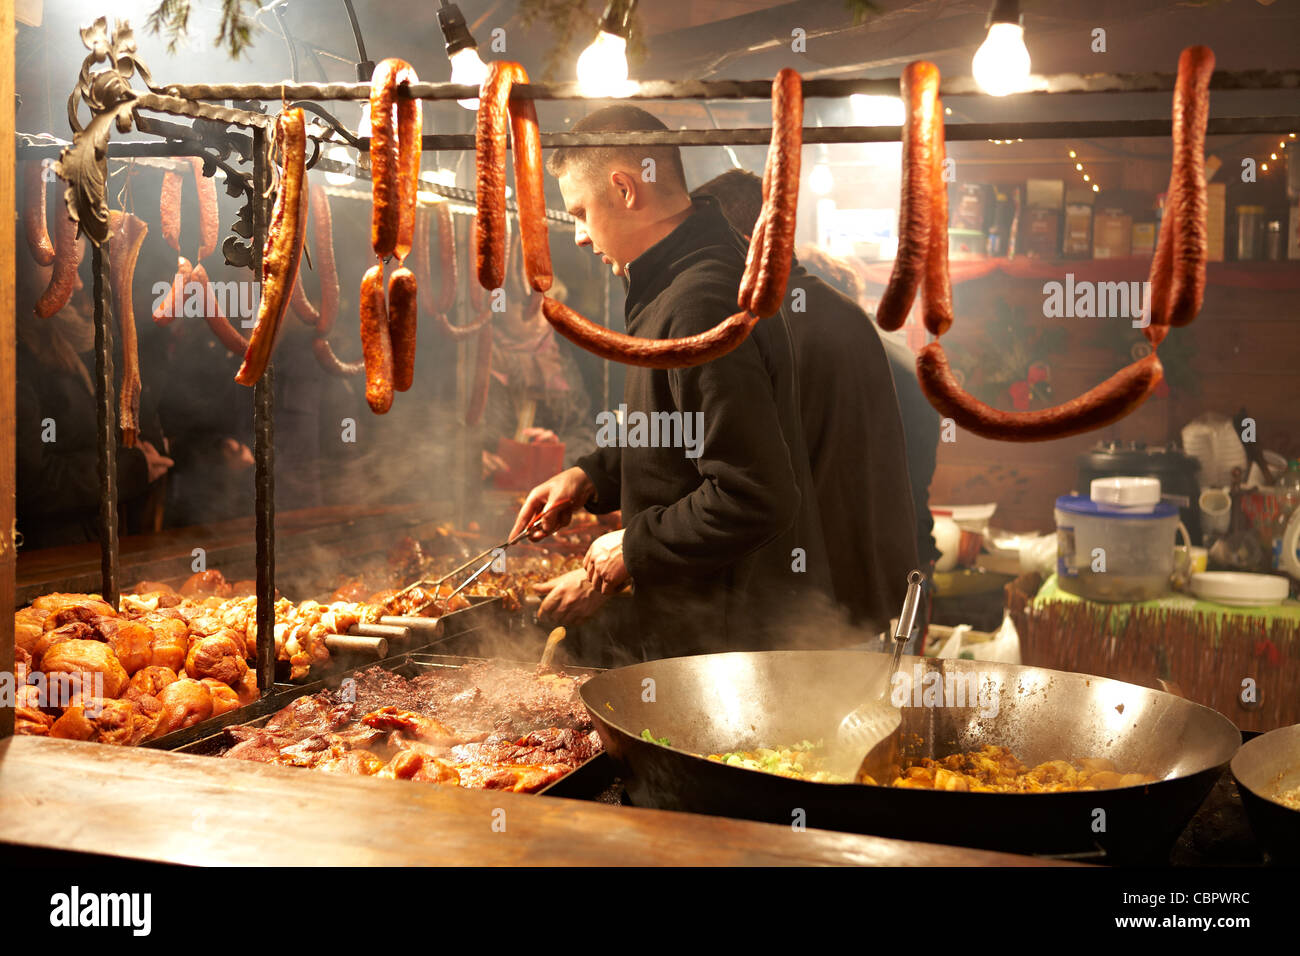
{"points": [[489, 553], [875, 727]]}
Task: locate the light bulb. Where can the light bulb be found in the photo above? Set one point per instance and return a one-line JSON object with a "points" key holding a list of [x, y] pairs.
{"points": [[602, 68], [363, 124], [339, 154], [468, 69], [1096, 188], [1001, 64], [871, 110], [821, 181]]}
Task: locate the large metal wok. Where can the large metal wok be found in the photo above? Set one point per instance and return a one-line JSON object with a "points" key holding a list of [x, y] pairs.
{"points": [[1264, 768], [720, 702]]}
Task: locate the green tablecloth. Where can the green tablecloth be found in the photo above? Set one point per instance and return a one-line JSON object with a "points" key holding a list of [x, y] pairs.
{"points": [[1175, 601]]}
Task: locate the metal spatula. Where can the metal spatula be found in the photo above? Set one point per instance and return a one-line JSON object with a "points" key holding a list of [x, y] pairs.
{"points": [[874, 728]]}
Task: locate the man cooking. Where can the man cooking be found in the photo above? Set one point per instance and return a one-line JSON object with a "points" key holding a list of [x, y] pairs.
{"points": [[721, 538]]}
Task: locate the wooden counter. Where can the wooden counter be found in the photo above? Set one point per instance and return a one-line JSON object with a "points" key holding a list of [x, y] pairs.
{"points": [[177, 808]]}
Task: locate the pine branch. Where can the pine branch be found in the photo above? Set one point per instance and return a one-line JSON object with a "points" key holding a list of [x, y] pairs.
{"points": [[172, 17]]}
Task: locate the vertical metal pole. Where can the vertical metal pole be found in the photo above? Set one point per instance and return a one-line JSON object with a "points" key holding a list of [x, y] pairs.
{"points": [[105, 425], [263, 438]]}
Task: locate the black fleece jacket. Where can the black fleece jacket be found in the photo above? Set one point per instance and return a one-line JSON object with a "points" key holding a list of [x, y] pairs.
{"points": [[720, 545]]}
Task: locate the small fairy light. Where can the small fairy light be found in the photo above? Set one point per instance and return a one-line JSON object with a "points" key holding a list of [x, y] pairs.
{"points": [[1096, 188], [1073, 154], [1263, 167]]}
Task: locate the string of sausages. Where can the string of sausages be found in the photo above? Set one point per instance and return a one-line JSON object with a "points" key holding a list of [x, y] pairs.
{"points": [[766, 273], [388, 325], [1177, 273]]}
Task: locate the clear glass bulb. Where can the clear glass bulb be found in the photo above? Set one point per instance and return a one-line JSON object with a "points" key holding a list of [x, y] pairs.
{"points": [[468, 68], [340, 154], [602, 68], [1001, 64], [821, 181]]}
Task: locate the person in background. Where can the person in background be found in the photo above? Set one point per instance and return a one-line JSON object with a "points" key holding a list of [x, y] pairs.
{"points": [[851, 421], [721, 536], [920, 420], [56, 455]]}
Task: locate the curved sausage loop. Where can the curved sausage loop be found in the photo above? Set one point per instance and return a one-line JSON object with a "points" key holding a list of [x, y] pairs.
{"points": [[649, 353], [331, 363], [489, 232], [919, 88], [1177, 279], [782, 196], [38, 236], [395, 127], [1101, 405]]}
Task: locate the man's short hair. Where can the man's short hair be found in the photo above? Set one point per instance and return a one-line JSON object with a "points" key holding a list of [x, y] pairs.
{"points": [[740, 194], [586, 160]]}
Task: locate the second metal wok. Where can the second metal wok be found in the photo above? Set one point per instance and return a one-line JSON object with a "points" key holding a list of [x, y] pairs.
{"points": [[739, 701]]}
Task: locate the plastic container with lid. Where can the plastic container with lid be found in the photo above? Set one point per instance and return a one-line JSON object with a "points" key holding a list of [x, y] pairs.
{"points": [[1126, 494], [1107, 553]]}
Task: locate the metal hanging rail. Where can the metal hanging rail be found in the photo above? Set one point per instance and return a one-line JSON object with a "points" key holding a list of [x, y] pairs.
{"points": [[736, 89]]}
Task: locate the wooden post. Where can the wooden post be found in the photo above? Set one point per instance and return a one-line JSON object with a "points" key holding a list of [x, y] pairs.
{"points": [[8, 369]]}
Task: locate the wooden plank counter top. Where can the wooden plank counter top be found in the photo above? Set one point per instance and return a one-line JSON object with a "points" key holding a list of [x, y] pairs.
{"points": [[176, 808]]}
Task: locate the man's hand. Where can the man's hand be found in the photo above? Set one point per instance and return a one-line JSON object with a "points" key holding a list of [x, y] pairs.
{"points": [[604, 563], [571, 483], [570, 598], [235, 455], [158, 464]]}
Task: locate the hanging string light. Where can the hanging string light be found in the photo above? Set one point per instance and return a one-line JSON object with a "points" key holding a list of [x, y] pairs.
{"points": [[1079, 168]]}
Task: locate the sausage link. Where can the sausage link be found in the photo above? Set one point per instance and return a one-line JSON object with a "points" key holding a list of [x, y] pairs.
{"points": [[226, 334], [936, 290], [783, 199], [302, 306], [447, 276], [1106, 403], [209, 215], [169, 209], [530, 192], [462, 331], [919, 87], [648, 353], [479, 296], [478, 395], [172, 306], [1189, 236], [322, 250], [376, 344], [410, 128], [489, 242], [127, 234], [331, 362], [1158, 282], [750, 276], [403, 316], [283, 250], [68, 251], [387, 171], [34, 226]]}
